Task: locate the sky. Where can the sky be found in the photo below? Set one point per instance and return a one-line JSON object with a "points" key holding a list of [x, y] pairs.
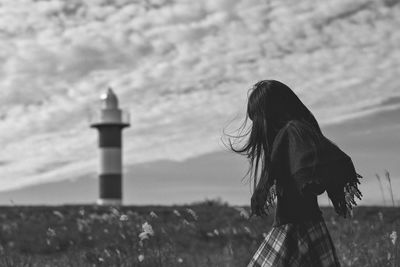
{"points": [[182, 69]]}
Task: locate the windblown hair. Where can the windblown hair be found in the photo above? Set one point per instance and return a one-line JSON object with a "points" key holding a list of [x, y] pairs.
{"points": [[271, 105]]}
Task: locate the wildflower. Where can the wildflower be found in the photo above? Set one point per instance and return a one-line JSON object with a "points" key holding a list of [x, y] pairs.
{"points": [[105, 217], [193, 213], [351, 213], [58, 214], [177, 213], [81, 211], [243, 213], [163, 231], [143, 236], [50, 232], [141, 258], [265, 235], [153, 214], [380, 214], [123, 218], [393, 237], [147, 228], [185, 222], [108, 254], [101, 259], [147, 231], [180, 260], [216, 232], [82, 225], [114, 211]]}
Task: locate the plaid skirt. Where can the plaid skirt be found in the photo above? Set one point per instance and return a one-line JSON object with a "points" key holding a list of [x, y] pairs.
{"points": [[306, 244]]}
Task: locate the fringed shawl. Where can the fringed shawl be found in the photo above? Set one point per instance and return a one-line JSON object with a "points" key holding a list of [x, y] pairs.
{"points": [[315, 164]]}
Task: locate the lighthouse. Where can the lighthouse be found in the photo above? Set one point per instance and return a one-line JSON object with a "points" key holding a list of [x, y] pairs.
{"points": [[110, 122]]}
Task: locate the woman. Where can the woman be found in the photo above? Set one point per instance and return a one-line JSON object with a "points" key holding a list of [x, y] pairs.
{"points": [[292, 161]]}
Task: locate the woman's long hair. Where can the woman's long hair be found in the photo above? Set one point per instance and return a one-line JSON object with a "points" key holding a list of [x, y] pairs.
{"points": [[271, 105]]}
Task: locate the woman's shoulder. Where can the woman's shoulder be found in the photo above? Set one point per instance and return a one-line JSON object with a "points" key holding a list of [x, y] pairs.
{"points": [[298, 124], [291, 129], [297, 128], [300, 134]]}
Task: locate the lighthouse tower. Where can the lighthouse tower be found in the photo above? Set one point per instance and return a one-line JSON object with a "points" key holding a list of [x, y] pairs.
{"points": [[110, 123]]}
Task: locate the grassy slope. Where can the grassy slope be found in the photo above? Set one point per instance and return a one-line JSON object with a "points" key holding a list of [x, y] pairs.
{"points": [[220, 236]]}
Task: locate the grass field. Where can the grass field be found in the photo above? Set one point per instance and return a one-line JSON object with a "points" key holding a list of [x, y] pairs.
{"points": [[210, 233]]}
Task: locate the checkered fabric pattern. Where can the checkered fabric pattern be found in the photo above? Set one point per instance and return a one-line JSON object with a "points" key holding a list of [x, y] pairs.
{"points": [[307, 244]]}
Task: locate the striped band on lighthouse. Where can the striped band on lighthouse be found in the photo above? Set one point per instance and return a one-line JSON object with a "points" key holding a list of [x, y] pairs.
{"points": [[110, 126], [110, 167]]}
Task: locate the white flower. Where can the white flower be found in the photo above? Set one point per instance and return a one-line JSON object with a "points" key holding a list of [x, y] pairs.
{"points": [[193, 213], [123, 218], [50, 232], [243, 213], [153, 214], [58, 214], [114, 211], [265, 235], [380, 214], [177, 213], [81, 211], [393, 236], [143, 236], [180, 260], [108, 254], [147, 231], [247, 229], [147, 228], [141, 257]]}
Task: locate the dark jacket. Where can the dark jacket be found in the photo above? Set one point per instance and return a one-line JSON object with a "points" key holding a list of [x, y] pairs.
{"points": [[305, 164]]}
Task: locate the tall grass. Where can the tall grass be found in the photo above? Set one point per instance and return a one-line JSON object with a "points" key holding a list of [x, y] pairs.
{"points": [[205, 234], [381, 188], [387, 175]]}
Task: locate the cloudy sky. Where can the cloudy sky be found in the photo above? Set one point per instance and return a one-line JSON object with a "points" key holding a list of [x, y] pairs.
{"points": [[182, 69]]}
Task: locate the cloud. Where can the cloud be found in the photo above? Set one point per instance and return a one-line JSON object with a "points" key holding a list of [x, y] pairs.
{"points": [[181, 68]]}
